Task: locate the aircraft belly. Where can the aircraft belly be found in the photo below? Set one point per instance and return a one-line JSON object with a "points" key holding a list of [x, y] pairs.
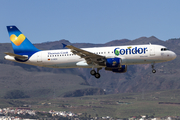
{"points": [[142, 60], [70, 62]]}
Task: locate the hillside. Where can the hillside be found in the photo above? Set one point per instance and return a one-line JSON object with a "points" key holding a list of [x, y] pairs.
{"points": [[122, 105], [36, 80]]}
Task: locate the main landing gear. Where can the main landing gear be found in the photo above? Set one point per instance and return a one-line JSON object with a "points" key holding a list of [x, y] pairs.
{"points": [[153, 70], [96, 74]]}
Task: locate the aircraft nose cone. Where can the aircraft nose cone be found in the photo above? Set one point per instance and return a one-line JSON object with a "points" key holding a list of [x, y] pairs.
{"points": [[174, 55]]}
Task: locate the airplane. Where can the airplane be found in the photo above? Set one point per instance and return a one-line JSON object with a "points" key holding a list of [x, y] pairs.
{"points": [[113, 58]]}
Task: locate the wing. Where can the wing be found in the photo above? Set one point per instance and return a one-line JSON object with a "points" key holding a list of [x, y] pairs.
{"points": [[90, 57]]}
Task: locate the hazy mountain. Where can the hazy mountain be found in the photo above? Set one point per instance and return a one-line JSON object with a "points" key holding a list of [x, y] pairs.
{"points": [[138, 78]]}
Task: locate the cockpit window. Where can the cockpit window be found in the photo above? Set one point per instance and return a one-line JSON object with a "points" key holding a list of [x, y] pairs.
{"points": [[164, 49]]}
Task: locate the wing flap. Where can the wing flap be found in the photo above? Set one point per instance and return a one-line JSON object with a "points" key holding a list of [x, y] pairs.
{"points": [[90, 57], [82, 52]]}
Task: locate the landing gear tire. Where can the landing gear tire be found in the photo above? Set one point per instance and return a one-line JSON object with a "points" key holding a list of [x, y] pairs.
{"points": [[153, 71], [97, 75], [92, 72]]}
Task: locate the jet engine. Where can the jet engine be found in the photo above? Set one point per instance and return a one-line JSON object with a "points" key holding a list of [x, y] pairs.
{"points": [[113, 62], [121, 69], [114, 65]]}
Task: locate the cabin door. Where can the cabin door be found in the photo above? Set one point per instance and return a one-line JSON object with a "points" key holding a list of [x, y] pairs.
{"points": [[39, 57], [152, 51]]}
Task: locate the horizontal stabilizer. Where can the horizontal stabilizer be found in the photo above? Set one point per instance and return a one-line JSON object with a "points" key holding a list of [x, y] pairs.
{"points": [[15, 55]]}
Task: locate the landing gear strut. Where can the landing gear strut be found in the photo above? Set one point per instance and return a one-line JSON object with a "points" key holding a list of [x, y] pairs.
{"points": [[153, 70], [96, 74]]}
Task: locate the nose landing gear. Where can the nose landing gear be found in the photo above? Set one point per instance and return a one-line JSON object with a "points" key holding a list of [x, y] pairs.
{"points": [[153, 70], [96, 74]]}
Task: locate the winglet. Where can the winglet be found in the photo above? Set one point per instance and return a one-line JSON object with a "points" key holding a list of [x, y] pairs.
{"points": [[64, 45]]}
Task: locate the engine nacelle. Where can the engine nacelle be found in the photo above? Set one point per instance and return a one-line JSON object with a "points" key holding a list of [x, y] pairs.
{"points": [[121, 69], [113, 62]]}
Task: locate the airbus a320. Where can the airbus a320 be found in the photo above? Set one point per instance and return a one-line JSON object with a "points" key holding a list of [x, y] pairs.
{"points": [[113, 58]]}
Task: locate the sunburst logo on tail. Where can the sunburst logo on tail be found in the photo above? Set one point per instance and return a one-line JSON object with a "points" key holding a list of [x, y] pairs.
{"points": [[17, 40]]}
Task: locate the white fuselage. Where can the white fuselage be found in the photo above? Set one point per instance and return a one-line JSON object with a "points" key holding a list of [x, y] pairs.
{"points": [[131, 54]]}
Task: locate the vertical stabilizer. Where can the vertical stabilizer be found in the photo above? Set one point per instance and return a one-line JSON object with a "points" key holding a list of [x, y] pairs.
{"points": [[21, 45]]}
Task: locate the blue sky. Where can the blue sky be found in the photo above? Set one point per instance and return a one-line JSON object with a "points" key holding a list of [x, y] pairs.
{"points": [[90, 21]]}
